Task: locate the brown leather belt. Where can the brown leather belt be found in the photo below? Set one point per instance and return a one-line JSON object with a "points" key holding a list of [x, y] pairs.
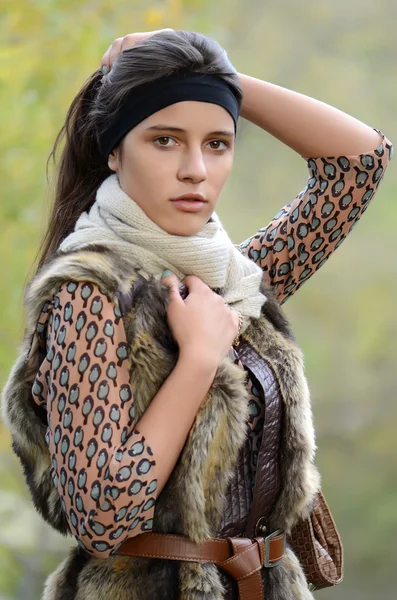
{"points": [[242, 558]]}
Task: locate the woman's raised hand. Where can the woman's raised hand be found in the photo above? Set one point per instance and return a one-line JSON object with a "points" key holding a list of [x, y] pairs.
{"points": [[203, 325], [122, 43]]}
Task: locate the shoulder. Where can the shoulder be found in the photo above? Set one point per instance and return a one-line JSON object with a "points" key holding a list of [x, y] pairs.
{"points": [[83, 297], [96, 269], [133, 306]]}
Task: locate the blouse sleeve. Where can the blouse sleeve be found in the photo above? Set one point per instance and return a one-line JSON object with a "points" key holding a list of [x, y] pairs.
{"points": [[103, 467], [305, 232]]}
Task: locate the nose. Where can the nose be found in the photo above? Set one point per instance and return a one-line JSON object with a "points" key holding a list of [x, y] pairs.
{"points": [[192, 166]]}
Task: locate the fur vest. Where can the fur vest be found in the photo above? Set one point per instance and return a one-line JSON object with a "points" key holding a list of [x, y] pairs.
{"points": [[207, 492]]}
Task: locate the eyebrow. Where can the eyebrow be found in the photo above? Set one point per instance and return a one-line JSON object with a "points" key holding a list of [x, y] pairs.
{"points": [[225, 133]]}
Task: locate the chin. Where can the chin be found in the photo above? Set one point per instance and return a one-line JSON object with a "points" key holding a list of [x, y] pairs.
{"points": [[185, 227]]}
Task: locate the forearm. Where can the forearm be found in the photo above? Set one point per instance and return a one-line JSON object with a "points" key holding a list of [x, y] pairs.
{"points": [[308, 126], [171, 414]]}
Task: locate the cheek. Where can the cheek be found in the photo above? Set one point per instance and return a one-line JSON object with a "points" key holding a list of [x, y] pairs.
{"points": [[156, 177], [220, 172], [150, 181], [143, 170], [152, 163]]}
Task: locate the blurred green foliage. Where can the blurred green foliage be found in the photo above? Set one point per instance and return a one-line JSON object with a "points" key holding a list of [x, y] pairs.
{"points": [[340, 52]]}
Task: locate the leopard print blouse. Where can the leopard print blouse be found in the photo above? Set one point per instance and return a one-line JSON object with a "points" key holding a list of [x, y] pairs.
{"points": [[103, 467]]}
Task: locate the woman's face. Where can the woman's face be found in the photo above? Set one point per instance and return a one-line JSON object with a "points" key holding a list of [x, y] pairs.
{"points": [[185, 148]]}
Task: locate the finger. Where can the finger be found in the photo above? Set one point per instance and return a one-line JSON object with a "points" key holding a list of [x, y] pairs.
{"points": [[194, 284], [115, 51], [105, 59], [161, 30], [236, 318], [172, 283], [130, 40]]}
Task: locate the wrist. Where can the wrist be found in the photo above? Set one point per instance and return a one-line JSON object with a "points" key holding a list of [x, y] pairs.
{"points": [[198, 361], [244, 111]]}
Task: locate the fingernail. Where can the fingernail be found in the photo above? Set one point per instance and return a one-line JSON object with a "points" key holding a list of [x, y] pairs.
{"points": [[166, 273], [104, 69]]}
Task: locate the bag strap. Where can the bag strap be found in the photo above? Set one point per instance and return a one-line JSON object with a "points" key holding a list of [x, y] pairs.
{"points": [[315, 540], [267, 480]]}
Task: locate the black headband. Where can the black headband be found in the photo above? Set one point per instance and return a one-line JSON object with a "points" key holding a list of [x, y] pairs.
{"points": [[151, 97]]}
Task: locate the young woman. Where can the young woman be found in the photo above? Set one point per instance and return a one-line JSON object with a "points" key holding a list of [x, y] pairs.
{"points": [[157, 363]]}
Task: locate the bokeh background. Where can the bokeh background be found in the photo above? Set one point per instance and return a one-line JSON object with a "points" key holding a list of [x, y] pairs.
{"points": [[342, 52]]}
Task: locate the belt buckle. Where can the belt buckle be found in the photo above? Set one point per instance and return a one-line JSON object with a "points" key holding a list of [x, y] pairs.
{"points": [[268, 538]]}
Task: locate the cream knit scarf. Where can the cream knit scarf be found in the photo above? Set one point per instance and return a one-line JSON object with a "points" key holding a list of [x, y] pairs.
{"points": [[117, 222]]}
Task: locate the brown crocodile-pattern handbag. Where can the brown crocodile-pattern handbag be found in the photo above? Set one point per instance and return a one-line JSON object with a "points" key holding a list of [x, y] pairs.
{"points": [[318, 546]]}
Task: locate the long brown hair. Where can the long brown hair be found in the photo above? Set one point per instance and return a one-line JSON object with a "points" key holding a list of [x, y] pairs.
{"points": [[81, 169]]}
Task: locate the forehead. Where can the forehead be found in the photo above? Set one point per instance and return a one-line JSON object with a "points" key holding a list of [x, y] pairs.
{"points": [[192, 116]]}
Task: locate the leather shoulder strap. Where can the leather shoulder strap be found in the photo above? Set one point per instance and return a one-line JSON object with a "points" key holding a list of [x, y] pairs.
{"points": [[267, 480]]}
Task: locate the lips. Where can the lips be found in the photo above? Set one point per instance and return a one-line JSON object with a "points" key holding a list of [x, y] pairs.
{"points": [[198, 197], [188, 204]]}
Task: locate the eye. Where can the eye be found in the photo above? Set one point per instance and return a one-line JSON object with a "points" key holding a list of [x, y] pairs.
{"points": [[218, 145], [164, 138]]}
